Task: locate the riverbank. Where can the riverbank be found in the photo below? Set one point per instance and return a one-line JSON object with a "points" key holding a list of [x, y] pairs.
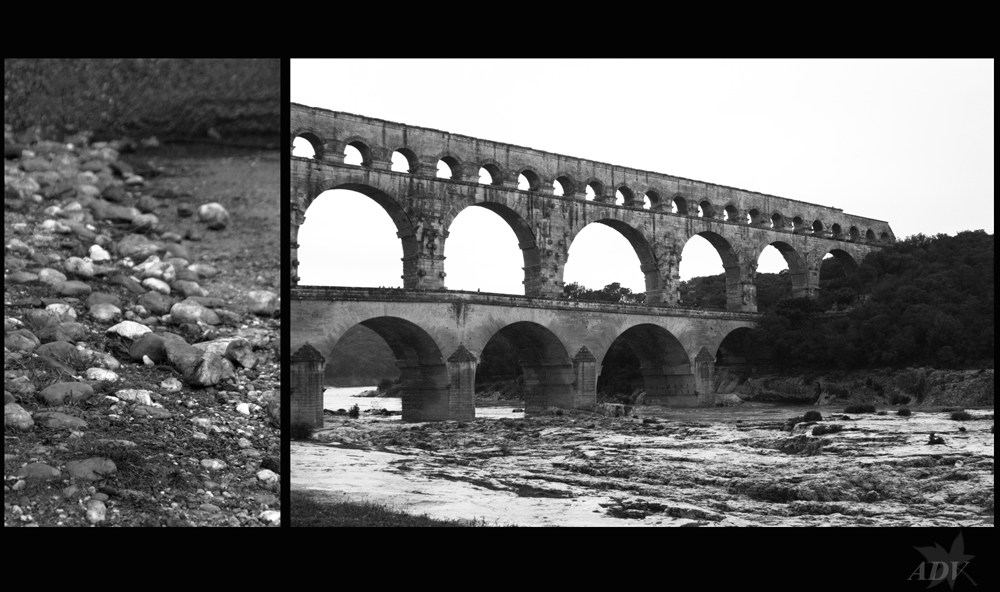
{"points": [[727, 466]]}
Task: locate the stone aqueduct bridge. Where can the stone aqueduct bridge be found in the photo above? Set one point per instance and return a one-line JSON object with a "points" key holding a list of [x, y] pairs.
{"points": [[437, 335]]}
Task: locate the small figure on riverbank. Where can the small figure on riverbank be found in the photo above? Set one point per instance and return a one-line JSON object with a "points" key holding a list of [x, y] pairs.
{"points": [[935, 439]]}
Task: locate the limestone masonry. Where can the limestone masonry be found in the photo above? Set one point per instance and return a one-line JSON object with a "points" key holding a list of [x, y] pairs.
{"points": [[561, 343]]}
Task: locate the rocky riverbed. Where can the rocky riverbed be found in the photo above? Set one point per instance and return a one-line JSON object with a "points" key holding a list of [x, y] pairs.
{"points": [[748, 465], [141, 338]]}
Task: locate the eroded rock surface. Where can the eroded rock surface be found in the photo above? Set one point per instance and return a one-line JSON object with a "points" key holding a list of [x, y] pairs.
{"points": [[708, 467]]}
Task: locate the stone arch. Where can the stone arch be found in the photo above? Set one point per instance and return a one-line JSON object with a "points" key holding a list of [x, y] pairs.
{"points": [[597, 185], [512, 212], [845, 258], [411, 158], [643, 245], [855, 234], [534, 179], [836, 231], [653, 195], [732, 213], [365, 146], [423, 369], [314, 140], [777, 221], [569, 185], [495, 169], [664, 364], [682, 204], [869, 236], [797, 268], [884, 237], [707, 209], [548, 371], [456, 164], [628, 196], [740, 294], [817, 227], [409, 233], [755, 217], [733, 350]]}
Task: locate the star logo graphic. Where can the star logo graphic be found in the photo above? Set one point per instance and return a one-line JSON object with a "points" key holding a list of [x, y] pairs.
{"points": [[944, 565]]}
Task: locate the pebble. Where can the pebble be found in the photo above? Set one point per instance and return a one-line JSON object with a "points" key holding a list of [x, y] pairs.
{"points": [[129, 329], [214, 215], [188, 311], [96, 511], [78, 266], [135, 395], [100, 374], [267, 476], [213, 464], [151, 412], [51, 276], [105, 313], [98, 254], [156, 285], [171, 385]]}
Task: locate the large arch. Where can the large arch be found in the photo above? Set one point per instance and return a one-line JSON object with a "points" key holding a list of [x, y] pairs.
{"points": [[424, 372], [740, 293], [408, 234], [663, 362], [642, 245], [796, 267], [516, 218], [548, 372]]}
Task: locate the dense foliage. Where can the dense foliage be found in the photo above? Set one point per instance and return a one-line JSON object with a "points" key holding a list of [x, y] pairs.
{"points": [[922, 301]]}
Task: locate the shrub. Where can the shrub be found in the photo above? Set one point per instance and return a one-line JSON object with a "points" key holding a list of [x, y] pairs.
{"points": [[812, 416], [960, 416], [859, 409], [300, 430], [354, 411], [899, 400], [904, 412], [384, 384]]}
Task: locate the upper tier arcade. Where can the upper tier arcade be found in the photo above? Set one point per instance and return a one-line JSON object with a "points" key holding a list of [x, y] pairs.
{"points": [[737, 222]]}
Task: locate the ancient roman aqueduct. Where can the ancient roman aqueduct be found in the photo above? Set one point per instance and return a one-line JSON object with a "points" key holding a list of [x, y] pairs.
{"points": [[437, 335]]}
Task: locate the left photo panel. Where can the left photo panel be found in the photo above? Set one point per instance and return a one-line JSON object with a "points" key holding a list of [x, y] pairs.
{"points": [[142, 275]]}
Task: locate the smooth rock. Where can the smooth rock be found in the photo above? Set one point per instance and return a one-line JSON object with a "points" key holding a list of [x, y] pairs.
{"points": [[80, 267], [38, 470], [61, 393], [51, 276], [68, 331], [267, 476], [262, 302], [105, 313], [103, 298], [20, 340], [129, 329], [22, 277], [98, 254], [171, 385], [156, 285], [16, 417], [136, 246], [213, 464], [91, 469], [214, 215], [155, 302], [192, 312], [58, 420]]}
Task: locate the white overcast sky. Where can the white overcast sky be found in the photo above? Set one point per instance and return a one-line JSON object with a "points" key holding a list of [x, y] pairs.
{"points": [[907, 141]]}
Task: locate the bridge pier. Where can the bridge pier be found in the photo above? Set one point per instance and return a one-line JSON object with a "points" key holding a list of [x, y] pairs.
{"points": [[670, 386], [306, 386], [548, 386]]}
